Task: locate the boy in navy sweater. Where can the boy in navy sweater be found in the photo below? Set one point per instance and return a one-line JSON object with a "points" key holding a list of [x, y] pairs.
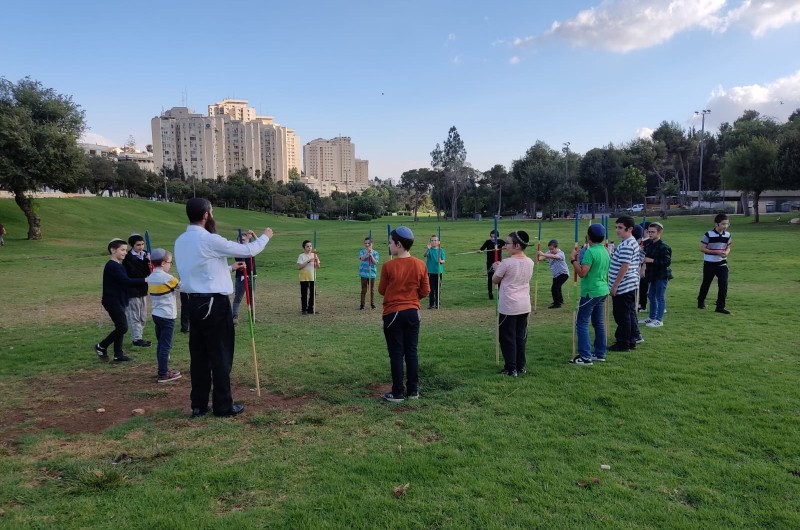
{"points": [[115, 299]]}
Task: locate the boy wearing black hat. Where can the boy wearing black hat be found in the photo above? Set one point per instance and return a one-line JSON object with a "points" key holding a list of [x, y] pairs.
{"points": [[162, 286], [403, 283], [137, 265], [559, 270], [489, 246]]}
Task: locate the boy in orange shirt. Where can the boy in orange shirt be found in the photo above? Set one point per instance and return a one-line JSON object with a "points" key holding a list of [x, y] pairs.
{"points": [[404, 282]]}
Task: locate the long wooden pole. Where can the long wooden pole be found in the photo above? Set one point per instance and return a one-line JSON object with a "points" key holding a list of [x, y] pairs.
{"points": [[575, 291], [497, 302], [252, 330], [536, 268]]}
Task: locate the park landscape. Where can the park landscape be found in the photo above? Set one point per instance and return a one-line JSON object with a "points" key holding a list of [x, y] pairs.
{"points": [[698, 428]]}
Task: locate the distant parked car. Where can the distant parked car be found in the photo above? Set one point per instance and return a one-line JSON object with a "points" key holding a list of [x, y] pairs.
{"points": [[636, 208]]}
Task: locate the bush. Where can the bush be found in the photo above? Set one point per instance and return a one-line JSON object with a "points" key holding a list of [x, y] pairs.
{"points": [[363, 217]]}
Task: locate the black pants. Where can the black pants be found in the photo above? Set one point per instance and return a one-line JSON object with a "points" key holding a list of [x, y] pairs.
{"points": [[211, 343], [435, 281], [120, 320], [489, 284], [624, 307], [184, 311], [555, 290], [513, 337], [401, 330], [644, 287], [307, 297], [710, 270]]}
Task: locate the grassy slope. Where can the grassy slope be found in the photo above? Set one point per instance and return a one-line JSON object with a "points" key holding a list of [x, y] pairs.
{"points": [[699, 425]]}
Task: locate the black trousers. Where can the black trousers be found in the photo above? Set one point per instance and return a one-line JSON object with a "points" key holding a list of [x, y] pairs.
{"points": [[489, 284], [555, 290], [401, 330], [435, 280], [710, 270], [184, 311], [211, 343], [120, 320], [307, 297], [624, 308], [644, 286], [513, 337]]}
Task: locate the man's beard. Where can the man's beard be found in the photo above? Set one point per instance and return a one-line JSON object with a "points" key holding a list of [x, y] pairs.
{"points": [[211, 225]]}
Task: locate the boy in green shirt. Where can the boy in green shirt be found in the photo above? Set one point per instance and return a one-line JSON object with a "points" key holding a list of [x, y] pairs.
{"points": [[592, 267]]}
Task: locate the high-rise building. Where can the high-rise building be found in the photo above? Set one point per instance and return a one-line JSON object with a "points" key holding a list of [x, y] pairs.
{"points": [[331, 165], [232, 137]]}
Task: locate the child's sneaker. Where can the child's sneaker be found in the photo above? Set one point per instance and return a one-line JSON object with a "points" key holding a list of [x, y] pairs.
{"points": [[596, 359], [388, 396], [580, 361], [646, 321], [413, 395], [655, 324], [171, 375]]}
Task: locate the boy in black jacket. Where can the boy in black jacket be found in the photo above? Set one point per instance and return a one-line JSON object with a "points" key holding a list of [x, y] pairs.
{"points": [[137, 265], [115, 299]]}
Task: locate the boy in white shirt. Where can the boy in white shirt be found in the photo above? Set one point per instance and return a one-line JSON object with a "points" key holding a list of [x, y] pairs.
{"points": [[161, 287]]}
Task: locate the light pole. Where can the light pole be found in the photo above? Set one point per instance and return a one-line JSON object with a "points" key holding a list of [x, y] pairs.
{"points": [[702, 145], [164, 174], [565, 150]]}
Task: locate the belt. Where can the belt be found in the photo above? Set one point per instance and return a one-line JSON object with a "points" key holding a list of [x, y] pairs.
{"points": [[204, 295]]}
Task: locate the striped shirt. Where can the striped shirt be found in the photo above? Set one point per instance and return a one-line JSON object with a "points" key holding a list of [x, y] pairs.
{"points": [[716, 241], [558, 266], [626, 252]]}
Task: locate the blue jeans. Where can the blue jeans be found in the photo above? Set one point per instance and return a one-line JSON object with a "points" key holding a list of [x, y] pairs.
{"points": [[591, 309], [165, 329], [658, 299]]}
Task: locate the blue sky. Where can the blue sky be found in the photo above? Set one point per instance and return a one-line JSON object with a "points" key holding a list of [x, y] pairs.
{"points": [[394, 76]]}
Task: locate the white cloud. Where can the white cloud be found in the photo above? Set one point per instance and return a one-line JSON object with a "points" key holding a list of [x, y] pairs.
{"points": [[450, 38], [777, 99], [626, 25], [457, 59], [94, 138], [514, 60], [644, 133], [759, 17]]}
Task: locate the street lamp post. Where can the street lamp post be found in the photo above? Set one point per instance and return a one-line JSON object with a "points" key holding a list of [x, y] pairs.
{"points": [[702, 145]]}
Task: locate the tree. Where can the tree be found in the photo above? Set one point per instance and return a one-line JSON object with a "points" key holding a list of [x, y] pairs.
{"points": [[450, 161], [417, 182], [632, 186], [789, 152], [294, 174], [600, 170], [680, 147], [101, 173], [130, 145], [39, 131], [541, 177], [753, 167]]}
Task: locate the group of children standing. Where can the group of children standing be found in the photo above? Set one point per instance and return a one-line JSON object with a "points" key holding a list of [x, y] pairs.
{"points": [[642, 258], [127, 279]]}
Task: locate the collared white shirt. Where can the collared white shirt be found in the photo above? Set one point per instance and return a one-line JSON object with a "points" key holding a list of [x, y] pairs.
{"points": [[201, 259]]}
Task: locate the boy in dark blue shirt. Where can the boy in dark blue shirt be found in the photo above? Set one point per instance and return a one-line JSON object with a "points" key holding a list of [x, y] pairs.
{"points": [[115, 299]]}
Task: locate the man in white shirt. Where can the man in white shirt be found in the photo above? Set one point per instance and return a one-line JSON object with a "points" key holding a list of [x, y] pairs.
{"points": [[201, 257]]}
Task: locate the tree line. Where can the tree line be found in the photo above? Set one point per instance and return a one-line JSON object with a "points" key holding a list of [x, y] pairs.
{"points": [[39, 129]]}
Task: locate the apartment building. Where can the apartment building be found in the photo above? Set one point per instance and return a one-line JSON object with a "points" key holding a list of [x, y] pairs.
{"points": [[230, 138], [331, 165]]}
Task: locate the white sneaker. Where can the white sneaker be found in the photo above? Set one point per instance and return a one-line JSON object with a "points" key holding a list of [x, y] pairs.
{"points": [[646, 321], [655, 324]]}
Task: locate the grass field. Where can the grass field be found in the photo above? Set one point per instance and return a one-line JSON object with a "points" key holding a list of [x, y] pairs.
{"points": [[700, 425]]}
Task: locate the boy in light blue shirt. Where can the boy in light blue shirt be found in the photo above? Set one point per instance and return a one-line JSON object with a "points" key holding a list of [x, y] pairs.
{"points": [[368, 259]]}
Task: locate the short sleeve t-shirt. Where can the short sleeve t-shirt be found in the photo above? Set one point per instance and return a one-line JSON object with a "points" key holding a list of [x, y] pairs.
{"points": [[515, 287], [307, 272], [595, 283]]}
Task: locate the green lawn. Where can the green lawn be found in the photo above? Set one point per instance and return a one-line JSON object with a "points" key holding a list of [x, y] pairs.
{"points": [[700, 426]]}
